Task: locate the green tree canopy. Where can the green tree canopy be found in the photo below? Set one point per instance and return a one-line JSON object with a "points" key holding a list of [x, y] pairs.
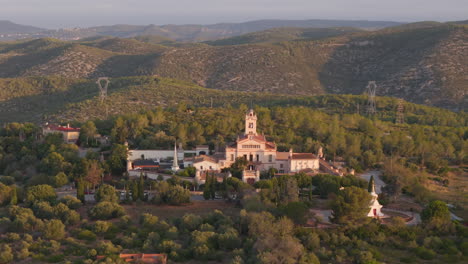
{"points": [[42, 192], [54, 229], [106, 193], [351, 205]]}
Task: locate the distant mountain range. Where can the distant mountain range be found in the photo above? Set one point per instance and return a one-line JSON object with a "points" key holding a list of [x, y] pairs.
{"points": [[420, 62], [8, 27], [186, 33]]}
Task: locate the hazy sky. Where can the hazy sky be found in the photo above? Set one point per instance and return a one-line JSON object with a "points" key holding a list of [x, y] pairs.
{"points": [[71, 13]]}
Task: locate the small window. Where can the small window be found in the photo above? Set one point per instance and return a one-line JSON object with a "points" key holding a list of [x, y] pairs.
{"points": [[251, 125], [232, 157], [211, 168], [201, 167], [281, 166], [270, 158]]}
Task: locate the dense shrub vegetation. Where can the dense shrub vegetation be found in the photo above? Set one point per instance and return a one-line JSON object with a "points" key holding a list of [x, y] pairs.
{"points": [[37, 224]]}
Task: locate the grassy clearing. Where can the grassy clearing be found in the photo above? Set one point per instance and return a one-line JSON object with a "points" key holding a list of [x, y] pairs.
{"points": [[455, 193]]}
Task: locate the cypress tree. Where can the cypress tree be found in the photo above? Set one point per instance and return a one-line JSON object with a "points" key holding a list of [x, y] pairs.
{"points": [[207, 188], [14, 196], [371, 184], [127, 193], [141, 188], [80, 190], [213, 186], [134, 191]]}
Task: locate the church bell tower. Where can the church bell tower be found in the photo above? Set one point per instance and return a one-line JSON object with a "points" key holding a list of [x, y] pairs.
{"points": [[251, 123]]}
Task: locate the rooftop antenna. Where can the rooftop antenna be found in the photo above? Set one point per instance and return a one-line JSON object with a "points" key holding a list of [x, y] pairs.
{"points": [[371, 90], [400, 118], [103, 89]]}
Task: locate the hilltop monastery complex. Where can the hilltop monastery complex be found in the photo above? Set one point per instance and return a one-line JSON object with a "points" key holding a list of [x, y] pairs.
{"points": [[260, 153]]}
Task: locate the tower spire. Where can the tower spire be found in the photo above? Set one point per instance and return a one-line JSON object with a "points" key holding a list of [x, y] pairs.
{"points": [[251, 123], [175, 164]]}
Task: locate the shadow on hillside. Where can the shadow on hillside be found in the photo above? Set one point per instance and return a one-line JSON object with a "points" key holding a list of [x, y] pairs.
{"points": [[17, 65], [37, 108], [392, 58], [127, 65]]}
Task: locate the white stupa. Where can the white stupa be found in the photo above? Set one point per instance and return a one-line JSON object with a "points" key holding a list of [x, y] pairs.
{"points": [[175, 163], [375, 206]]}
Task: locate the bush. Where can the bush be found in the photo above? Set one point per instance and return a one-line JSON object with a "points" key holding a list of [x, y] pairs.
{"points": [[12, 237], [7, 180], [191, 222], [177, 195], [436, 210], [6, 254], [72, 202], [43, 210], [60, 179], [86, 235], [296, 211], [101, 226], [425, 253], [107, 248], [42, 192], [167, 194], [54, 229], [148, 220], [106, 210], [106, 193]]}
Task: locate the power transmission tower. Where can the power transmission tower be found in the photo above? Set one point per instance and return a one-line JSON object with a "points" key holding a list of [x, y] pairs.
{"points": [[371, 90], [400, 118], [103, 89]]}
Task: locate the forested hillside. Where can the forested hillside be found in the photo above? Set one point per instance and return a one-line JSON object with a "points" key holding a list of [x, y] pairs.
{"points": [[41, 99], [420, 64], [421, 163]]}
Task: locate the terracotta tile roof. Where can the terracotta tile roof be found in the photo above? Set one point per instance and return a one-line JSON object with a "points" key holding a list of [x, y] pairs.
{"points": [[282, 155], [303, 156], [202, 158], [257, 137]]}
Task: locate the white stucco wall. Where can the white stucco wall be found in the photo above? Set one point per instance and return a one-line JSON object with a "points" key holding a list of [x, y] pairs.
{"points": [[154, 154], [205, 165], [298, 165]]}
